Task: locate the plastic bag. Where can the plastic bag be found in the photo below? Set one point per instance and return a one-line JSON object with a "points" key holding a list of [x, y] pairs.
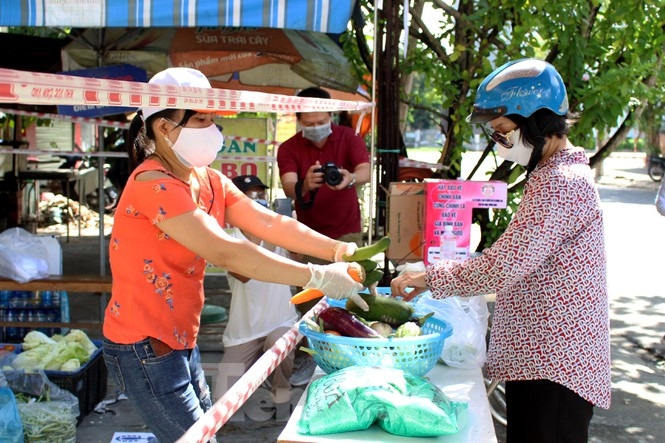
{"points": [[22, 256], [50, 414], [466, 348], [11, 429], [354, 398]]}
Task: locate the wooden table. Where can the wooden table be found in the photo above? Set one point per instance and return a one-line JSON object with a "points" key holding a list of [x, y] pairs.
{"points": [[461, 385]]}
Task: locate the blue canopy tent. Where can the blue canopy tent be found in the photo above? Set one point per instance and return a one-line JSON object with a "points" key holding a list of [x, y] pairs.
{"points": [[309, 15]]}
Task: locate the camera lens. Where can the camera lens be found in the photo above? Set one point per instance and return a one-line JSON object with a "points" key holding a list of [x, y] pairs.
{"points": [[332, 176]]}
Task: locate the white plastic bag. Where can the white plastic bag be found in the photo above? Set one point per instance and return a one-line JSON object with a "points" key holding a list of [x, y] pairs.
{"points": [[466, 348], [22, 256]]}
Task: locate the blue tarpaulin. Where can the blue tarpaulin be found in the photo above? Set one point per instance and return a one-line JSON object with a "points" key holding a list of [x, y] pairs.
{"points": [[310, 15]]}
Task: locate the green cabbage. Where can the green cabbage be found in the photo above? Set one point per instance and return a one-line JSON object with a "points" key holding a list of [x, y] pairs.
{"points": [[78, 336], [408, 329], [35, 338], [71, 365], [61, 353], [67, 354]]}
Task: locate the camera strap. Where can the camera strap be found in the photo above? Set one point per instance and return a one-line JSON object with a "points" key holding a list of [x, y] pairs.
{"points": [[300, 201]]}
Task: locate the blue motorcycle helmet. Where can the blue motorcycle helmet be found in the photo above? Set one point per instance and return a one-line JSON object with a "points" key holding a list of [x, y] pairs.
{"points": [[520, 87]]}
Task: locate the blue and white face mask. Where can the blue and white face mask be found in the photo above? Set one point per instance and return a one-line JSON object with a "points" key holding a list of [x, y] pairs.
{"points": [[259, 197]]}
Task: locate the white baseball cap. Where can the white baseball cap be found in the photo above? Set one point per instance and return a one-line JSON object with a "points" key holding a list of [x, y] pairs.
{"points": [[178, 76]]}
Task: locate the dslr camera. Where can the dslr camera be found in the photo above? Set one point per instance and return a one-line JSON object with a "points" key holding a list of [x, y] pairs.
{"points": [[331, 174]]}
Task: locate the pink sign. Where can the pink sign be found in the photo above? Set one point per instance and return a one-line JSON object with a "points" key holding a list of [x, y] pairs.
{"points": [[450, 203]]}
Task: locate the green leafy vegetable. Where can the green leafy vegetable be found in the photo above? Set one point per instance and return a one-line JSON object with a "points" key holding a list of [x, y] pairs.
{"points": [[408, 329], [69, 353], [35, 338]]}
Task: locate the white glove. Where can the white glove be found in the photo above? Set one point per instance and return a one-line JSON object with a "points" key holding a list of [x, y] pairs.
{"points": [[343, 249], [335, 282]]}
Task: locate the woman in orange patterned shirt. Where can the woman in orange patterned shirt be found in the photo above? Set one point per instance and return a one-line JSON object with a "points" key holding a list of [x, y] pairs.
{"points": [[168, 225]]}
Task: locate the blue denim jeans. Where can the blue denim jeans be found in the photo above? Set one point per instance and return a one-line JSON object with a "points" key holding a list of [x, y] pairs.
{"points": [[169, 392]]}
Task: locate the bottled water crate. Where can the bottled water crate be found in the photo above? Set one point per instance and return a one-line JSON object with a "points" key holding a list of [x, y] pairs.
{"points": [[29, 306]]}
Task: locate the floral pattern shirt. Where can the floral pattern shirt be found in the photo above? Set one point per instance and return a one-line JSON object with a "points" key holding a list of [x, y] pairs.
{"points": [[548, 271], [158, 283]]}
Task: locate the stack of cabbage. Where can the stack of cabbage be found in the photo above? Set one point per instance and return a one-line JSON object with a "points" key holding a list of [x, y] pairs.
{"points": [[57, 353]]}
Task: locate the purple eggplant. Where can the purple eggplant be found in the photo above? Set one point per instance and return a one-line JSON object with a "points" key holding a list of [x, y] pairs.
{"points": [[346, 323]]}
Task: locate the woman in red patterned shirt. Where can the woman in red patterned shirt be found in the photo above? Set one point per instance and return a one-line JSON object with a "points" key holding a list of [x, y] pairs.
{"points": [[550, 331], [168, 225]]}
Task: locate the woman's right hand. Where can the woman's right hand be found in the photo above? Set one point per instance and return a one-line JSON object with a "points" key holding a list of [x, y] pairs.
{"points": [[335, 282], [415, 280]]}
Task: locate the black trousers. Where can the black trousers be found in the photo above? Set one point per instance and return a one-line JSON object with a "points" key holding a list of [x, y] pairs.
{"points": [[541, 411]]}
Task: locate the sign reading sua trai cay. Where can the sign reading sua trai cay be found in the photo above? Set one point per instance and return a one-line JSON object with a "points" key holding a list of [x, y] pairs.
{"points": [[450, 203]]}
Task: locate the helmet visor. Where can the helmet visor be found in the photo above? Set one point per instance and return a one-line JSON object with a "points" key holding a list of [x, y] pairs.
{"points": [[480, 115]]}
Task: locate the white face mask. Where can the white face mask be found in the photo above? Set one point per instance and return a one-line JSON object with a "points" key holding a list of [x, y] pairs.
{"points": [[316, 133], [520, 153], [196, 147]]}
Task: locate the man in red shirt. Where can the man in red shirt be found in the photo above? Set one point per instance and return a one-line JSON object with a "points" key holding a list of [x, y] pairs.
{"points": [[320, 168], [325, 196]]}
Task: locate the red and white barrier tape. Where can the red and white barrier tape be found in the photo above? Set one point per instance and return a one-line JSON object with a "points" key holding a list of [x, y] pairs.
{"points": [[50, 89], [223, 157], [224, 408], [254, 140], [100, 122], [106, 154], [64, 153], [242, 158]]}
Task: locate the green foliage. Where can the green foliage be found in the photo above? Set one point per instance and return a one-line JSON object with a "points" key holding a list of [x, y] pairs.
{"points": [[40, 31], [610, 55]]}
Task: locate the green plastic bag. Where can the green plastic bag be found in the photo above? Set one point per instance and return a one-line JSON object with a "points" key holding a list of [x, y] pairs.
{"points": [[354, 398]]}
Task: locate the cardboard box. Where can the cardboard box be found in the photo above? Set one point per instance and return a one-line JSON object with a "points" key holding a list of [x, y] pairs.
{"points": [[406, 203]]}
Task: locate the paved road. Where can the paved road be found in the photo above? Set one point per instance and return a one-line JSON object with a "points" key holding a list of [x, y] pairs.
{"points": [[635, 244]]}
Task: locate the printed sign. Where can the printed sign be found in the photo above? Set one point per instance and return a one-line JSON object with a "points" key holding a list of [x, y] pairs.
{"points": [[132, 437], [246, 156], [451, 202]]}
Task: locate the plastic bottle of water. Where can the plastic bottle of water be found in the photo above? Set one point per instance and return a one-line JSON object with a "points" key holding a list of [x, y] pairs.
{"points": [[12, 332], [21, 316], [4, 308], [46, 299], [64, 310], [448, 243], [40, 316], [51, 316], [4, 298]]}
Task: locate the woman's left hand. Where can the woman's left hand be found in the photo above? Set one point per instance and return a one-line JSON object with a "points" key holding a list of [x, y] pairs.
{"points": [[415, 280], [344, 249]]}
